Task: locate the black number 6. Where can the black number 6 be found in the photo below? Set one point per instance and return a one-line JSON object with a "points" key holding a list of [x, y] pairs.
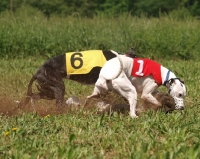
{"points": [[73, 59]]}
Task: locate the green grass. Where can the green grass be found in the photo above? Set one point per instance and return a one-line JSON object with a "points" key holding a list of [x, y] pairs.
{"points": [[23, 34], [26, 41], [83, 134]]}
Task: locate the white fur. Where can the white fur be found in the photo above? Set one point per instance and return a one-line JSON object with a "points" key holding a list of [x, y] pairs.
{"points": [[116, 76]]}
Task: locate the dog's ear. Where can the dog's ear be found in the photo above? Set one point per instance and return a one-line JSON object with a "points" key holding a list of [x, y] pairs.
{"points": [[182, 80], [131, 53], [131, 50], [170, 82]]}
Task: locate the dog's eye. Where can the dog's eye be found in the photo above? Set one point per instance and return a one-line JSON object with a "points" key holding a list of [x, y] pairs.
{"points": [[180, 95]]}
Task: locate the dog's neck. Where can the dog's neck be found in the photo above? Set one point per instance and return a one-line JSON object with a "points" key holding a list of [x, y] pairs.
{"points": [[166, 74]]}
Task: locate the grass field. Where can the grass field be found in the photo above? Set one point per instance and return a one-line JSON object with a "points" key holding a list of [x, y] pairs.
{"points": [[27, 40], [23, 34], [80, 133]]}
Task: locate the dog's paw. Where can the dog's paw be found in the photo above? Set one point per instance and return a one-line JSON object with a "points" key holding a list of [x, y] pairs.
{"points": [[94, 95], [133, 115]]}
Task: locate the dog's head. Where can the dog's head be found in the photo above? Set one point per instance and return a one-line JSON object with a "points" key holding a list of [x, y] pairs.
{"points": [[177, 90]]}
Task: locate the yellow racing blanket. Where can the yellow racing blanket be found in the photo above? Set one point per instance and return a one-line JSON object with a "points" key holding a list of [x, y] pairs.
{"points": [[83, 62]]}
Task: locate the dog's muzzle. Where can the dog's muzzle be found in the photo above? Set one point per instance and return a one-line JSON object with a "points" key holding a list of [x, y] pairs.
{"points": [[179, 101]]}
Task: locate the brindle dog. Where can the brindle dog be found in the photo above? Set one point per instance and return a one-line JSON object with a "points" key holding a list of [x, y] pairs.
{"points": [[50, 75]]}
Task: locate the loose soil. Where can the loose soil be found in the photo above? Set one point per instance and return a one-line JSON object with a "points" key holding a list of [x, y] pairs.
{"points": [[10, 106]]}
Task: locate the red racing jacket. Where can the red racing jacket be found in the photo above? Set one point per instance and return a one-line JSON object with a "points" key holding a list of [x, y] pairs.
{"points": [[145, 67]]}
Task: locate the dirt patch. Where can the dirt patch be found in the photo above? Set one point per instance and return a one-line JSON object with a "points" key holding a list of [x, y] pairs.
{"points": [[9, 106]]}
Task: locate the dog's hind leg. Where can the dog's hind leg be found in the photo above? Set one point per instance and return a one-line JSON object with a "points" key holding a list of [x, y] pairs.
{"points": [[131, 96], [52, 92], [51, 86], [55, 89], [95, 94], [101, 88], [123, 86], [59, 92]]}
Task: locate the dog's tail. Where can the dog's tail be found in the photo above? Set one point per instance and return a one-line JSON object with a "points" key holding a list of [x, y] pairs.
{"points": [[29, 90], [110, 75]]}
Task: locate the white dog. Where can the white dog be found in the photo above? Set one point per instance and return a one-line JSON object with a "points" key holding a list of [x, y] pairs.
{"points": [[127, 77]]}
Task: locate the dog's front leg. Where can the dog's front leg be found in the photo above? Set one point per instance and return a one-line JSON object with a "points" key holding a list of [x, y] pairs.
{"points": [[149, 97], [132, 98], [147, 94]]}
